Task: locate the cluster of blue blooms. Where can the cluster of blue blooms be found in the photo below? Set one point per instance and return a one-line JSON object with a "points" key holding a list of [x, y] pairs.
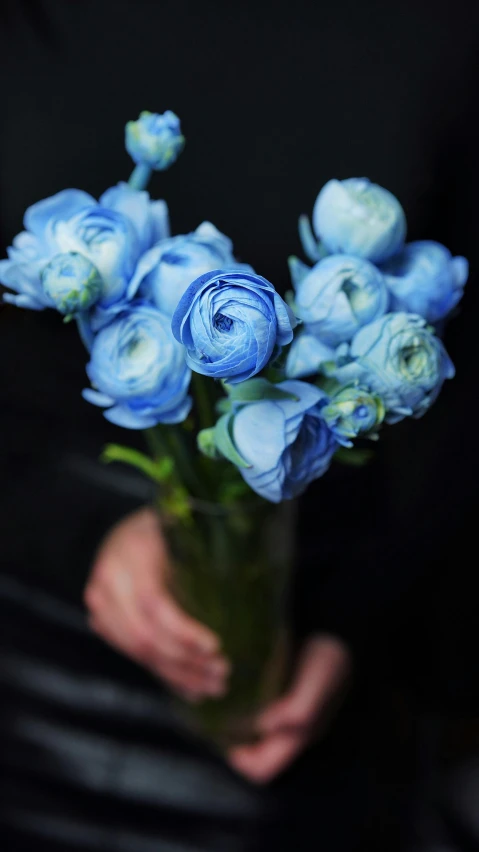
{"points": [[353, 349]]}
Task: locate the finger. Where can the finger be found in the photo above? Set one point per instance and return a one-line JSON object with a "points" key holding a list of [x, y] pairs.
{"points": [[130, 638], [170, 631], [170, 650], [131, 641], [182, 628], [262, 762], [114, 607], [124, 626], [186, 679], [169, 645], [321, 672]]}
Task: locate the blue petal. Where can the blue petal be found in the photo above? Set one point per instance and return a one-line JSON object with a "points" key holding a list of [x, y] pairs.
{"points": [[145, 265], [134, 205], [308, 396], [97, 398], [269, 484], [85, 329], [26, 247], [259, 435], [397, 415], [178, 414], [23, 301], [123, 416], [150, 219], [449, 369], [286, 320], [160, 219], [306, 355], [460, 267], [62, 206], [24, 278], [298, 270]]}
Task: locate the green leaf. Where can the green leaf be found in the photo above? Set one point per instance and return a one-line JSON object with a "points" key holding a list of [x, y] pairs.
{"points": [[165, 466], [224, 441], [328, 368], [159, 470], [206, 443], [223, 406], [253, 390], [354, 457], [275, 374], [290, 300], [177, 504], [328, 385], [233, 491]]}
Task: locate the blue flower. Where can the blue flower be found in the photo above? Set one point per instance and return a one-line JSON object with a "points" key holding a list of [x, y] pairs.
{"points": [[353, 412], [111, 234], [166, 271], [358, 217], [306, 356], [338, 296], [139, 371], [72, 282], [231, 322], [400, 359], [425, 279], [154, 140], [285, 443]]}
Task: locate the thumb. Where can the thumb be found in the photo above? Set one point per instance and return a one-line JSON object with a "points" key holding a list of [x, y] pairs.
{"points": [[323, 668]]}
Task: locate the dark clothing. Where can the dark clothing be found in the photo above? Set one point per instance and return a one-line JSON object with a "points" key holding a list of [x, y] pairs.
{"points": [[275, 99]]}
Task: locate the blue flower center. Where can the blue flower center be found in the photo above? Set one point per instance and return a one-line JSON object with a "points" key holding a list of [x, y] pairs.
{"points": [[362, 411], [222, 323], [131, 345]]}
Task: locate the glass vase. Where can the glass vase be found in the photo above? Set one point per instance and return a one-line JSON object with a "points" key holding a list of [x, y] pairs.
{"points": [[230, 571]]}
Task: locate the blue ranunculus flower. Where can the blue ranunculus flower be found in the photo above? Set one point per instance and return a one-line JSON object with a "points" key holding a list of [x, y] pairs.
{"points": [[338, 296], [353, 412], [425, 279], [400, 359], [286, 443], [72, 282], [166, 271], [306, 356], [138, 370], [230, 323], [358, 217], [154, 140], [111, 234]]}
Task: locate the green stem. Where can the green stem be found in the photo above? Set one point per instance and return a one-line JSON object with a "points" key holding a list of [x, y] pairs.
{"points": [[204, 405], [171, 440], [180, 454], [140, 176], [156, 443]]}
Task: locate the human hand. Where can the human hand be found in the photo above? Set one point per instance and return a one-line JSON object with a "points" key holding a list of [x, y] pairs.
{"points": [[131, 608], [289, 724]]}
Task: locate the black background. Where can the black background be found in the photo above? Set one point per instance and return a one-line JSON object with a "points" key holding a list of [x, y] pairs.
{"points": [[275, 99]]}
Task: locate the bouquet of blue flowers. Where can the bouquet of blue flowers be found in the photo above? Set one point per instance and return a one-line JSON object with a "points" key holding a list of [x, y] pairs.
{"points": [[244, 397]]}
